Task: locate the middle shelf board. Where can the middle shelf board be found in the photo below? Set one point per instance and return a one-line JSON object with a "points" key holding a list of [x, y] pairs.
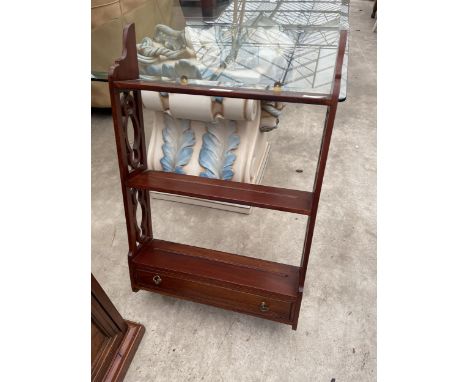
{"points": [[221, 268], [274, 198]]}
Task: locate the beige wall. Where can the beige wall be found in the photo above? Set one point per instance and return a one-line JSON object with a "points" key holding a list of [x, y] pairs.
{"points": [[108, 18]]}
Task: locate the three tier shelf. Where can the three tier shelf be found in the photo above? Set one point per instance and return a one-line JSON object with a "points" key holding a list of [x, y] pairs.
{"points": [[248, 285]]}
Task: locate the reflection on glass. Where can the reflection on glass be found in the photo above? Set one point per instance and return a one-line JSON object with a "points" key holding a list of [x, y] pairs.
{"points": [[248, 44]]}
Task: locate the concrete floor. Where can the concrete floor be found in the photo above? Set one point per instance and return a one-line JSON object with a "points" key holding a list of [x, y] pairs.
{"points": [[336, 337]]}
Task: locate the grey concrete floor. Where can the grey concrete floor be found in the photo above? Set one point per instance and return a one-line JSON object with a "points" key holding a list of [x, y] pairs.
{"points": [[336, 336]]}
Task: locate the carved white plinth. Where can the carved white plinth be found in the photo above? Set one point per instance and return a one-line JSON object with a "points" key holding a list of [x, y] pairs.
{"points": [[215, 204], [216, 138]]}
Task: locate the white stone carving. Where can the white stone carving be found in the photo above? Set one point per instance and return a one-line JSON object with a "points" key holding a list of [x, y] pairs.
{"points": [[201, 111]]}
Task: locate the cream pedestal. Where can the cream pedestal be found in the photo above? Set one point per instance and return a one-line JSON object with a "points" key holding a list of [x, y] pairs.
{"points": [[201, 136]]}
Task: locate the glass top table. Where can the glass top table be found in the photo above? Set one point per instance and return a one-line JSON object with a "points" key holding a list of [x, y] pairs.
{"points": [[247, 45]]}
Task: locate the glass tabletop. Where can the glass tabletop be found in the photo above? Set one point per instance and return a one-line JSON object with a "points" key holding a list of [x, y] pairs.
{"points": [[266, 45]]}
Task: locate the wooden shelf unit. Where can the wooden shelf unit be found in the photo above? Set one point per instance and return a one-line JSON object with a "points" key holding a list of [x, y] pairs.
{"points": [[244, 284]]}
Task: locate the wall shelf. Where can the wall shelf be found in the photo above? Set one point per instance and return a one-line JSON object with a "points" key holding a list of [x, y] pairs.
{"points": [[243, 284]]}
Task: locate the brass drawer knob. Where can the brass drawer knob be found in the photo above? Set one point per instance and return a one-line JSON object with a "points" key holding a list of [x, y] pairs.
{"points": [[264, 307], [157, 280]]}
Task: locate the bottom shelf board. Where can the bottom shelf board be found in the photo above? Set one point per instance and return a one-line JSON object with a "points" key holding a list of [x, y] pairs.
{"points": [[280, 281], [243, 284]]}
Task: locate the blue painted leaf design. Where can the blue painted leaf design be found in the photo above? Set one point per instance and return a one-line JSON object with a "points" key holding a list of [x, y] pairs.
{"points": [[216, 154], [178, 144]]}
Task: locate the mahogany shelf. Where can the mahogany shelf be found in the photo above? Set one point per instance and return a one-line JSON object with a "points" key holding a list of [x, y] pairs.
{"points": [[257, 287], [273, 198], [243, 284]]}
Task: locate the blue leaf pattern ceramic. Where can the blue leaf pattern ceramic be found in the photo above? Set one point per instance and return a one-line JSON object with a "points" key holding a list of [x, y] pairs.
{"points": [[216, 154], [179, 139]]}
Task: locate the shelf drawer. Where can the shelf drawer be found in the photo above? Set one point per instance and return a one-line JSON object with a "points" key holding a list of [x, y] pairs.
{"points": [[177, 285]]}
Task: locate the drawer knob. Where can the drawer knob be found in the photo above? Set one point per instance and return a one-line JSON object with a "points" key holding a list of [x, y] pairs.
{"points": [[264, 307], [157, 280]]}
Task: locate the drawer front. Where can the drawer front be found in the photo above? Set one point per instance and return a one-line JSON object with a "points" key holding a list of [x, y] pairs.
{"points": [[161, 281]]}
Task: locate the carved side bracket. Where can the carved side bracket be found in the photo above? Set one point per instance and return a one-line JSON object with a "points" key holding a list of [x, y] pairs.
{"points": [[127, 112], [126, 67], [142, 227], [134, 150]]}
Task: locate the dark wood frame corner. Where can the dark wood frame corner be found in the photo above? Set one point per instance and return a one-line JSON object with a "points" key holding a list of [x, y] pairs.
{"points": [[243, 284], [114, 341]]}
